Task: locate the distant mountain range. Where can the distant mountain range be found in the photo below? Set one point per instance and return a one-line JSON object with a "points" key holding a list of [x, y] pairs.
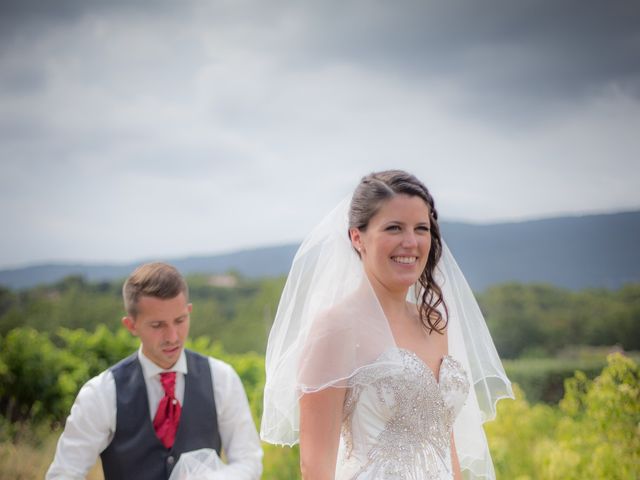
{"points": [[571, 252]]}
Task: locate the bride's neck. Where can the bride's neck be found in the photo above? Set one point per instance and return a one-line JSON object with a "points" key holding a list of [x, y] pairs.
{"points": [[393, 303]]}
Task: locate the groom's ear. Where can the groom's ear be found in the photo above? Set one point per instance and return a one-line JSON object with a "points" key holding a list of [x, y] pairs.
{"points": [[130, 324]]}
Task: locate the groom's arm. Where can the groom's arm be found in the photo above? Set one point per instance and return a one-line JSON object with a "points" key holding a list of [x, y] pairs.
{"points": [[240, 440], [88, 430]]}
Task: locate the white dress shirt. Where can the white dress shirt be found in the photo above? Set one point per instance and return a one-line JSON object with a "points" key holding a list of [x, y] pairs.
{"points": [[92, 422]]}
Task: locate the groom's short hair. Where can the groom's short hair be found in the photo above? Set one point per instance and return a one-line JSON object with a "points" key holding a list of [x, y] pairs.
{"points": [[156, 279]]}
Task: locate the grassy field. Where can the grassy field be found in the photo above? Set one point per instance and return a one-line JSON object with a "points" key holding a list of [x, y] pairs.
{"points": [[26, 451]]}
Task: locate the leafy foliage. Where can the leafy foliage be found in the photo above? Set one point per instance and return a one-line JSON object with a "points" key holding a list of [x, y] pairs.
{"points": [[239, 315], [542, 379], [525, 320], [54, 338], [37, 380], [594, 433], [541, 320]]}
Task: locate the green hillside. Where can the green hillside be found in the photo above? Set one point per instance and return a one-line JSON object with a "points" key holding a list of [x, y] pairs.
{"points": [[525, 320]]}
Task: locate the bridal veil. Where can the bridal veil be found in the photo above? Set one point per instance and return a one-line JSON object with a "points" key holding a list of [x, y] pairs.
{"points": [[329, 326]]}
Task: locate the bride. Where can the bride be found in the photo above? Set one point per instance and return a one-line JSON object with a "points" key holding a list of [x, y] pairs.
{"points": [[379, 361]]}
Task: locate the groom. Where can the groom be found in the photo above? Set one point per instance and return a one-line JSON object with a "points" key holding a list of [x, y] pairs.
{"points": [[141, 414]]}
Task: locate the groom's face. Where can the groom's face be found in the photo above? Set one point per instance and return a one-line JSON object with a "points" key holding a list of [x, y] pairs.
{"points": [[163, 326]]}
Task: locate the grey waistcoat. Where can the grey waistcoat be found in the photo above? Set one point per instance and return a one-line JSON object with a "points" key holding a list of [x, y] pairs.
{"points": [[135, 451]]}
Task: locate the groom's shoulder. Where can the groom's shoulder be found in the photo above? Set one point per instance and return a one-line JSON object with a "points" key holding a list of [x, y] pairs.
{"points": [[106, 378], [98, 386], [219, 368], [194, 354], [216, 365], [125, 362]]}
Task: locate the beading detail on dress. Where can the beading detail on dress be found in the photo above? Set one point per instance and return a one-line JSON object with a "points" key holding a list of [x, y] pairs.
{"points": [[413, 435]]}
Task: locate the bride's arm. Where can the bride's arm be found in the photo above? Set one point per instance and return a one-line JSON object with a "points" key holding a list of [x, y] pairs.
{"points": [[320, 420], [455, 463]]}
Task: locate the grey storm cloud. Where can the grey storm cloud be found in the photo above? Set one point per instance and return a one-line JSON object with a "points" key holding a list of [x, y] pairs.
{"points": [[511, 58], [505, 61], [537, 49]]}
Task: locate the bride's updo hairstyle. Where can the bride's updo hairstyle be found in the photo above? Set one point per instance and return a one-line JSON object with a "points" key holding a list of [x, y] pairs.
{"points": [[373, 191]]}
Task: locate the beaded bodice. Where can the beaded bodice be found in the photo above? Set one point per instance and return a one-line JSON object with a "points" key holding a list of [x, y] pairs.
{"points": [[397, 424]]}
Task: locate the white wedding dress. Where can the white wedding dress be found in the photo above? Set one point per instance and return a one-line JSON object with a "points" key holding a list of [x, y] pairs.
{"points": [[397, 425]]}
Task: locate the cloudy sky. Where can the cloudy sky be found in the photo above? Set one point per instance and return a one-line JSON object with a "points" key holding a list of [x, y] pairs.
{"points": [[134, 129]]}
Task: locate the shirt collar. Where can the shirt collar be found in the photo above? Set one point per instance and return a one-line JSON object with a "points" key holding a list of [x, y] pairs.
{"points": [[150, 369]]}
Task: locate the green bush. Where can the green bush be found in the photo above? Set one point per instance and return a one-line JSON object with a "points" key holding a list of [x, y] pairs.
{"points": [[543, 318], [594, 433], [542, 379], [37, 381]]}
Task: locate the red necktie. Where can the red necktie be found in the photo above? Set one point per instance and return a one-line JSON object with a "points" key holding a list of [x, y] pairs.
{"points": [[167, 417]]}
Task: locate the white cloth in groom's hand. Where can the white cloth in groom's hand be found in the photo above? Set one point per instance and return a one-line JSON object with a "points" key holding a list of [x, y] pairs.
{"points": [[198, 465]]}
